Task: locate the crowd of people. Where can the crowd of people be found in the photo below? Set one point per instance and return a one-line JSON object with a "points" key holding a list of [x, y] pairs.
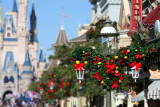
{"points": [[26, 99]]}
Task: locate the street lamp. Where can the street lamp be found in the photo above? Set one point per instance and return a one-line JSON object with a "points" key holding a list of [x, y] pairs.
{"points": [[80, 74], [135, 73], [109, 34], [52, 86]]}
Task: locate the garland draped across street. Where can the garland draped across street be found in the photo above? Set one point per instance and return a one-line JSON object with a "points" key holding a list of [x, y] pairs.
{"points": [[110, 73]]}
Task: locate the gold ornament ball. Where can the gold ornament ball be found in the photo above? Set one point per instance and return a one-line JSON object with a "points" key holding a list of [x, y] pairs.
{"points": [[116, 57], [85, 62], [128, 51], [117, 67], [54, 75], [77, 62], [125, 57], [120, 81], [116, 71], [102, 82], [143, 55], [99, 63]]}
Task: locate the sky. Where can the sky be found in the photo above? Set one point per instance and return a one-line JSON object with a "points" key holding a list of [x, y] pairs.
{"points": [[49, 18]]}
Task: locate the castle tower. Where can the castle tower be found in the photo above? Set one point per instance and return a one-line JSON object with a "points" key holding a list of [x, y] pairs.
{"points": [[9, 74], [41, 65], [27, 74], [15, 13], [33, 24], [22, 16], [22, 33], [1, 29]]}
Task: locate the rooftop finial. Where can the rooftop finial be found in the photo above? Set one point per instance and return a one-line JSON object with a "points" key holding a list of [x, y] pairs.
{"points": [[32, 1], [63, 17], [41, 46]]}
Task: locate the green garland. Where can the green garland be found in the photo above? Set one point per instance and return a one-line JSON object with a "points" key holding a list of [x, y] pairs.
{"points": [[110, 73]]}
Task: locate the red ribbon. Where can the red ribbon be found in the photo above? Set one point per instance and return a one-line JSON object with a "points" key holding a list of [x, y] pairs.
{"points": [[137, 65], [79, 66]]}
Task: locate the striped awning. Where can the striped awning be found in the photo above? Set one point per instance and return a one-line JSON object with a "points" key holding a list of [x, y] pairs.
{"points": [[153, 92]]}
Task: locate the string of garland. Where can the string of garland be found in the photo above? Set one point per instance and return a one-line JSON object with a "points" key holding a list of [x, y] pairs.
{"points": [[60, 90], [110, 73]]}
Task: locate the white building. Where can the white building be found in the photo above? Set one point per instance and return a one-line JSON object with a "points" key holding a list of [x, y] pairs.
{"points": [[19, 65]]}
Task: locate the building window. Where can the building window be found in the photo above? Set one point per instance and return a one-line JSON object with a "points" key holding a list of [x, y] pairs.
{"points": [[12, 79], [6, 79], [8, 35], [8, 28]]}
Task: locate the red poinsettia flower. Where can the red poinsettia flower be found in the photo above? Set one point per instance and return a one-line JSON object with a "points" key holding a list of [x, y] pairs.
{"points": [[121, 78], [62, 80], [95, 57], [114, 84], [136, 56], [97, 76], [86, 53], [68, 84], [99, 59], [89, 32], [153, 50], [40, 84]]}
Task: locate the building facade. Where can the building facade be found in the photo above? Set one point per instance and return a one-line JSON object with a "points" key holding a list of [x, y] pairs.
{"points": [[19, 64]]}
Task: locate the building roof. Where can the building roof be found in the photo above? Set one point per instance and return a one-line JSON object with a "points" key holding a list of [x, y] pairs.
{"points": [[27, 72], [9, 18], [41, 57], [14, 6], [62, 38], [153, 92], [79, 39], [53, 63], [152, 16], [33, 10], [27, 61], [9, 56]]}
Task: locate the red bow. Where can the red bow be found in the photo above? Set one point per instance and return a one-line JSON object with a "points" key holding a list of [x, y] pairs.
{"points": [[114, 84], [79, 66], [137, 65]]}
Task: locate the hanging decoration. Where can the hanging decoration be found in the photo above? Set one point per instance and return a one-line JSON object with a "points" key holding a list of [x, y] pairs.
{"points": [[110, 73]]}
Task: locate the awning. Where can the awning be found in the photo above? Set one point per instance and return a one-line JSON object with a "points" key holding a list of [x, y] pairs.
{"points": [[153, 92]]}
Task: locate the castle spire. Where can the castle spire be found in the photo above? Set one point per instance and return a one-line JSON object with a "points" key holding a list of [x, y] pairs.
{"points": [[41, 58], [33, 23], [1, 15], [27, 59], [14, 6]]}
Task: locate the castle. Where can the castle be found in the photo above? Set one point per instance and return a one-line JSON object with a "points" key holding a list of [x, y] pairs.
{"points": [[19, 65]]}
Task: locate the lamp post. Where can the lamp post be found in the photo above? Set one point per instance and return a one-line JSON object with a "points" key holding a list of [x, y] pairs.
{"points": [[110, 34], [135, 73], [80, 74]]}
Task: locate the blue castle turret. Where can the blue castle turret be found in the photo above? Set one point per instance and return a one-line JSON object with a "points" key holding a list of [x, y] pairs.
{"points": [[27, 66], [15, 7]]}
